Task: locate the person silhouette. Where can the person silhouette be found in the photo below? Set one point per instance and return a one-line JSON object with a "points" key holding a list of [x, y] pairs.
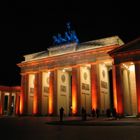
{"points": [[93, 112], [97, 112], [114, 113], [61, 113], [83, 114]]}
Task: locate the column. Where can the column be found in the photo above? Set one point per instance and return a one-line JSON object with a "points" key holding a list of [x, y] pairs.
{"points": [[1, 102], [17, 103], [137, 72], [75, 90], [117, 89], [94, 86], [53, 93], [37, 94], [10, 101], [24, 95]]}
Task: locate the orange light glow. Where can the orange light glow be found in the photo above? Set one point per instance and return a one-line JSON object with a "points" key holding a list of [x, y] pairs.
{"points": [[117, 85], [35, 104], [137, 70], [94, 86], [17, 104], [0, 108], [74, 91], [35, 96], [21, 104], [114, 88], [51, 93]]}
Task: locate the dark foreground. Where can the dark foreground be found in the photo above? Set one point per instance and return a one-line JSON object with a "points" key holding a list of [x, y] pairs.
{"points": [[49, 128]]}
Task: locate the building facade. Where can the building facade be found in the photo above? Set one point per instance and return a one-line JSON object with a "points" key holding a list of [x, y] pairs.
{"points": [[94, 74], [9, 100], [126, 78]]}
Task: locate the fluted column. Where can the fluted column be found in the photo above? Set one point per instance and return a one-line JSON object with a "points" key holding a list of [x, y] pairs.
{"points": [[10, 103], [75, 90], [94, 97], [24, 95], [137, 72], [17, 103], [1, 103], [37, 94], [53, 93], [117, 89]]}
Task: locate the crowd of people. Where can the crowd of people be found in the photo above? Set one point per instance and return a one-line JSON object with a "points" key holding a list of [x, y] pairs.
{"points": [[95, 113]]}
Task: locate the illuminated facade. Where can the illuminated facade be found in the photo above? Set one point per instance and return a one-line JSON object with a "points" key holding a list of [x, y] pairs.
{"points": [[93, 74], [9, 100], [126, 78]]}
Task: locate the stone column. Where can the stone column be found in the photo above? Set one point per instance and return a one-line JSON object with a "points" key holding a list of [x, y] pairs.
{"points": [[23, 106], [76, 91], [37, 94], [17, 103], [53, 93], [1, 102], [94, 87], [137, 72], [117, 89], [10, 103]]}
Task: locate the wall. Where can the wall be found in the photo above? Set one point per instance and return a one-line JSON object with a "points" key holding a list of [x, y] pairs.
{"points": [[63, 91], [85, 88], [104, 88], [45, 92]]}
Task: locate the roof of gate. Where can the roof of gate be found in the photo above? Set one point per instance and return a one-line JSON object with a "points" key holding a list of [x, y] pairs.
{"points": [[128, 47], [74, 47]]}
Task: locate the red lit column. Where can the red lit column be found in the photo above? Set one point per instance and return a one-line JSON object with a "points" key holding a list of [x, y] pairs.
{"points": [[23, 95], [17, 104], [94, 86], [137, 72], [10, 103], [37, 94], [53, 93], [117, 89], [1, 103], [75, 90]]}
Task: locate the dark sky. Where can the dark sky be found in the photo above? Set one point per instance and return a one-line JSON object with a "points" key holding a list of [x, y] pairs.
{"points": [[27, 27]]}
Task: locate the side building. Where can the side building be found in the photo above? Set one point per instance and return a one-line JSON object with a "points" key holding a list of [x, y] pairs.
{"points": [[9, 100], [126, 78]]}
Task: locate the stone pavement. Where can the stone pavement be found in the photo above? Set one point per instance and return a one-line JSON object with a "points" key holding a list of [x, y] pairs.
{"points": [[77, 121], [101, 121]]}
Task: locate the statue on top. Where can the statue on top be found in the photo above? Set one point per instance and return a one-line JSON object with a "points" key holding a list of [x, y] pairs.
{"points": [[69, 36]]}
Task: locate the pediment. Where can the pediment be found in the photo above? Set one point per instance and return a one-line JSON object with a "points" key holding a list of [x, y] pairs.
{"points": [[128, 47]]}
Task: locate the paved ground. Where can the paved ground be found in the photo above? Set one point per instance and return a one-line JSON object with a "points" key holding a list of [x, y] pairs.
{"points": [[95, 121], [72, 128]]}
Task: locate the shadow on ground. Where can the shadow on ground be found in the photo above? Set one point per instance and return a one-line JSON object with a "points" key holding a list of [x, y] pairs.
{"points": [[94, 123]]}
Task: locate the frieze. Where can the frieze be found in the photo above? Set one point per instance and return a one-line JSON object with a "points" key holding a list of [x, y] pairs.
{"points": [[127, 58], [61, 62], [62, 49]]}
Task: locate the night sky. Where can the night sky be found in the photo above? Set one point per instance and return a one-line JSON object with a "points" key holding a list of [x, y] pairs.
{"points": [[27, 27]]}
